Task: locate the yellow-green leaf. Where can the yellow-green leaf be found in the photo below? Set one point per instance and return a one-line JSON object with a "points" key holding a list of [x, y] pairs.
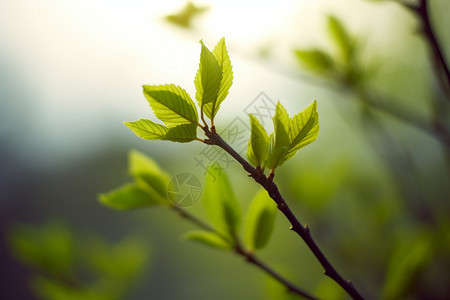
{"points": [[258, 143], [303, 129], [171, 104], [260, 221], [149, 130], [208, 238], [220, 203], [147, 173], [130, 196], [279, 139], [341, 38], [315, 60], [214, 78]]}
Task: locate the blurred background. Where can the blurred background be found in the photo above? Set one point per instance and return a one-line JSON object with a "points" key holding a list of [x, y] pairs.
{"points": [[374, 188]]}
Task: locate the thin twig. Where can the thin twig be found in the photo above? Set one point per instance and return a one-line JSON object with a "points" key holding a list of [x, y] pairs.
{"points": [[274, 193], [250, 257]]}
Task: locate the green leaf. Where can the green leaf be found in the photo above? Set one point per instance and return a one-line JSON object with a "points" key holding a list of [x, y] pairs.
{"points": [[147, 172], [315, 60], [184, 17], [221, 54], [207, 80], [171, 104], [260, 220], [341, 38], [220, 203], [131, 196], [214, 78], [149, 130], [49, 248], [258, 143], [303, 129], [279, 139], [208, 238]]}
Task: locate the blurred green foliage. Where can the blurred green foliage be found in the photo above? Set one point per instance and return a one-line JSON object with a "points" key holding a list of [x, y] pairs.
{"points": [[71, 267]]}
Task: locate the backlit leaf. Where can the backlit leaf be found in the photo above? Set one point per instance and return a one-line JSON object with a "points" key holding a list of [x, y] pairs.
{"points": [[279, 139], [341, 38], [260, 220], [171, 104], [214, 78], [149, 130], [303, 129], [258, 143]]}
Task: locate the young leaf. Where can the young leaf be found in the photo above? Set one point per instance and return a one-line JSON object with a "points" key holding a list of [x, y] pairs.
{"points": [[341, 38], [171, 104], [147, 172], [130, 196], [260, 221], [315, 60], [258, 143], [220, 203], [303, 129], [207, 80], [214, 78], [221, 54], [208, 238], [279, 139], [149, 130]]}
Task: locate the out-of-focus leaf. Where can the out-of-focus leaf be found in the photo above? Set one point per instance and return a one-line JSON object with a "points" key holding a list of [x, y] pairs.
{"points": [[279, 139], [171, 104], [184, 17], [328, 289], [260, 220], [131, 196], [258, 143], [214, 78], [315, 60], [303, 129], [220, 203], [147, 172], [341, 38], [149, 130], [407, 262], [208, 238], [48, 249]]}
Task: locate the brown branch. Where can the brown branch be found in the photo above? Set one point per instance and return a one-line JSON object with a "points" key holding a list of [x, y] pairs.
{"points": [[250, 257], [439, 63], [274, 193]]}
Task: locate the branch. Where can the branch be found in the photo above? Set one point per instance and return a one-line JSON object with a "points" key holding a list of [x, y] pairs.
{"points": [[274, 193], [440, 65], [250, 257]]}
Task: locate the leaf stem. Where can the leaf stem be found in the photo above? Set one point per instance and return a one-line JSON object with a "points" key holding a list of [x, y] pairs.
{"points": [[274, 193], [250, 257]]}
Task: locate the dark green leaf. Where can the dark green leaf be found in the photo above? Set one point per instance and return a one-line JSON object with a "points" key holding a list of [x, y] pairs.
{"points": [[149, 130], [221, 205], [208, 238], [260, 220], [258, 143], [131, 196], [171, 104]]}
